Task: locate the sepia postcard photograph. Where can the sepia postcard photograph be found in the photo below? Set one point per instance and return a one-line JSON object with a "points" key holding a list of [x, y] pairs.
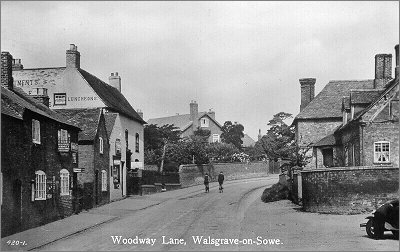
{"points": [[199, 126]]}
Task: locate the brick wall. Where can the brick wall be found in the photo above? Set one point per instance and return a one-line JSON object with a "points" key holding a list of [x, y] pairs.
{"points": [[192, 174], [348, 190]]}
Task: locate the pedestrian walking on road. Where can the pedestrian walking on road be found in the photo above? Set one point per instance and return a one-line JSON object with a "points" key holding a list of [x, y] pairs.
{"points": [[206, 182], [221, 181]]}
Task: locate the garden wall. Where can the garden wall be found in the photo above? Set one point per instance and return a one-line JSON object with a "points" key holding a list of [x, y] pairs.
{"points": [[348, 190], [193, 174]]}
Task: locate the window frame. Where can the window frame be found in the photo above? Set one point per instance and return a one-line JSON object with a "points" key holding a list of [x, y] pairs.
{"points": [[137, 142], [36, 131], [104, 181], [101, 145], [40, 185], [213, 138], [376, 157], [64, 182], [206, 123]]}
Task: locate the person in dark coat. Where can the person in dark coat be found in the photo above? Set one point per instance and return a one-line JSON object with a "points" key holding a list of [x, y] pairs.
{"points": [[221, 179], [206, 182]]}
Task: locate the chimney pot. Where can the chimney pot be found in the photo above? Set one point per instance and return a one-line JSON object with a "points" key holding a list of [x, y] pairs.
{"points": [[115, 81], [73, 57]]}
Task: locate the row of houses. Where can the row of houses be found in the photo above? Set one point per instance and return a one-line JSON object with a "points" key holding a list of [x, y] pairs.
{"points": [[349, 134], [68, 141]]}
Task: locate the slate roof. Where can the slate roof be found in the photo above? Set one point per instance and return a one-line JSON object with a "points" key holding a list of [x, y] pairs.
{"points": [[110, 121], [329, 140], [248, 141], [111, 96], [15, 102], [181, 121], [328, 103], [364, 96], [86, 118]]}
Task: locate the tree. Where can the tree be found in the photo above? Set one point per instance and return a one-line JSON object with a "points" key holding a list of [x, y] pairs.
{"points": [[156, 140], [232, 133], [201, 135]]}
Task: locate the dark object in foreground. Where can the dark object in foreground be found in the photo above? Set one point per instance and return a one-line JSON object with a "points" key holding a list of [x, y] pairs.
{"points": [[275, 193], [385, 218]]}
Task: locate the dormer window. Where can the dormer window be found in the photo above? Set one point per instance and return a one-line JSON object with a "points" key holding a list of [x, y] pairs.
{"points": [[204, 122]]}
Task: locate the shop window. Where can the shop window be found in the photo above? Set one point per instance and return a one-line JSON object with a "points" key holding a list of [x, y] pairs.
{"points": [[64, 177], [104, 180], [35, 131], [40, 185], [382, 152]]}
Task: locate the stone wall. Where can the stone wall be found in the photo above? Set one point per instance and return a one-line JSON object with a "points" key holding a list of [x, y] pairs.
{"points": [[194, 174], [348, 190]]}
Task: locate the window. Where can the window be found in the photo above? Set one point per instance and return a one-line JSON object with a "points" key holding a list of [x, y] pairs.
{"points": [[204, 122], [137, 142], [64, 177], [101, 145], [40, 185], [35, 131], [74, 157], [104, 180], [63, 140], [215, 138], [117, 147], [382, 152], [126, 138]]}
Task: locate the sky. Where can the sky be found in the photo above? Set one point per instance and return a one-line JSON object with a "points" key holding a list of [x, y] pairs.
{"points": [[243, 60]]}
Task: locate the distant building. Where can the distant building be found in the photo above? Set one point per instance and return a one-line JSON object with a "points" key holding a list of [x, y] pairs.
{"points": [[248, 141], [188, 123], [38, 158], [71, 87]]}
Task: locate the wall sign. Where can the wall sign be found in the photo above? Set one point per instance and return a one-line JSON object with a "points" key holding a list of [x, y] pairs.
{"points": [[60, 99]]}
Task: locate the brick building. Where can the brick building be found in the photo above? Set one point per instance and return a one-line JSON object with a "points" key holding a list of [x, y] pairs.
{"points": [[94, 151], [369, 133], [188, 123], [38, 155], [322, 115], [71, 87]]}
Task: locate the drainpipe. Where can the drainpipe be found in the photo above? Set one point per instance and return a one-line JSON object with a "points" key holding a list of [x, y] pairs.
{"points": [[362, 161]]}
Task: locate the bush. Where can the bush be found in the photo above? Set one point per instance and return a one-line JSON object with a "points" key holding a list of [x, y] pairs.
{"points": [[275, 193]]}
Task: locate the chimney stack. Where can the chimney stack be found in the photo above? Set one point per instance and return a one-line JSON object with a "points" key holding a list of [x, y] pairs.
{"points": [[140, 113], [115, 81], [6, 70], [307, 91], [40, 94], [17, 65], [396, 70], [259, 134], [211, 113], [194, 113], [383, 70], [73, 57]]}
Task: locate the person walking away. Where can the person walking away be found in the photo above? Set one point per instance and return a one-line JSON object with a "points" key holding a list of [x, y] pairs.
{"points": [[206, 182], [221, 181]]}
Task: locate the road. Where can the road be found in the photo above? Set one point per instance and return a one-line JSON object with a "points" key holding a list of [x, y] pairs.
{"points": [[190, 219]]}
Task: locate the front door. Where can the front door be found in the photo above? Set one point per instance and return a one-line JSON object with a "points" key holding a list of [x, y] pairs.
{"points": [[17, 197], [328, 157]]}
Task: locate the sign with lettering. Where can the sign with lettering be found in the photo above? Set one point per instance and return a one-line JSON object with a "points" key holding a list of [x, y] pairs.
{"points": [[83, 98], [60, 99]]}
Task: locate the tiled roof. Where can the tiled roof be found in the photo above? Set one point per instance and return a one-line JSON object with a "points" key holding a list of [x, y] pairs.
{"points": [[326, 141], [328, 103], [181, 121], [111, 96], [86, 118], [364, 96], [15, 102], [110, 121], [247, 141]]}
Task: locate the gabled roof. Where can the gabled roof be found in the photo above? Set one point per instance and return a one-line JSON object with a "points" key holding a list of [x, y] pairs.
{"points": [[248, 141], [111, 96], [328, 103], [183, 121], [110, 121], [85, 118], [15, 102], [364, 96]]}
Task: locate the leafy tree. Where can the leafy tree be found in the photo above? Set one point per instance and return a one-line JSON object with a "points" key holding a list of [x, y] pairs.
{"points": [[201, 135], [221, 152], [232, 133]]}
